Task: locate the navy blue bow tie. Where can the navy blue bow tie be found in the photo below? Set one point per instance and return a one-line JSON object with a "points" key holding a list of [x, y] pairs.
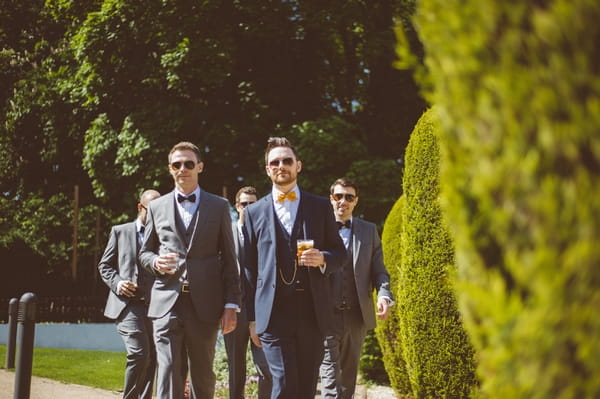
{"points": [[347, 224], [181, 198]]}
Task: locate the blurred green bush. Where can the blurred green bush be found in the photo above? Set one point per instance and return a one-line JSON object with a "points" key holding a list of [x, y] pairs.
{"points": [[516, 86]]}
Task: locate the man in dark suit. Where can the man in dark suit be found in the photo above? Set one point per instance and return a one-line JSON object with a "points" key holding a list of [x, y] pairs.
{"points": [[287, 296], [352, 286], [188, 245], [127, 301], [236, 342]]}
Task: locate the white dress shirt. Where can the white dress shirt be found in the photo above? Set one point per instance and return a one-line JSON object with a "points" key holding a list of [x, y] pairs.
{"points": [[187, 208], [288, 210]]}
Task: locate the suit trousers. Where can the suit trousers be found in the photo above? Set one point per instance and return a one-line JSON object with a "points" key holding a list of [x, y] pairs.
{"points": [[136, 331], [293, 346], [236, 345], [342, 355], [176, 333]]}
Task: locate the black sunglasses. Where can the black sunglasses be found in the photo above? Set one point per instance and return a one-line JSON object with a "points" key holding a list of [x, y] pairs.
{"points": [[246, 203], [187, 164], [349, 197], [277, 162]]}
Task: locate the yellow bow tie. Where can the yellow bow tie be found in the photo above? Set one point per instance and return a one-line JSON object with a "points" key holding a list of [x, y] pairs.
{"points": [[291, 196]]}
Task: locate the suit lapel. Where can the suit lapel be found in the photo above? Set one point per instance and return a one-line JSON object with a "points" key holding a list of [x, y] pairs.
{"points": [[269, 214], [134, 242], [171, 209], [199, 218], [357, 238], [173, 217]]}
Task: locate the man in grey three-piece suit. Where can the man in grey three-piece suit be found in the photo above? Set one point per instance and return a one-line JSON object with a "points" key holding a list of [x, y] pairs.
{"points": [[352, 287], [188, 245], [128, 299], [287, 295]]}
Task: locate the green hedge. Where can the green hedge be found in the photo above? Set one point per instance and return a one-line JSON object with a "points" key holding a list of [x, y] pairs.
{"points": [[388, 331], [517, 87], [370, 366], [438, 355]]}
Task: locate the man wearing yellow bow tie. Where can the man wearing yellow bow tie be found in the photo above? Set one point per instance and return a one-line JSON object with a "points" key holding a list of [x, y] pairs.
{"points": [[287, 296]]}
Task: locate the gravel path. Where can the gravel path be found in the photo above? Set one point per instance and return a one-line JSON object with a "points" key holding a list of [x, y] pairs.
{"points": [[44, 388]]}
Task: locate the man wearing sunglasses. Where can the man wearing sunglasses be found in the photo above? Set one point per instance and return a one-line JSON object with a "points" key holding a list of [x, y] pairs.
{"points": [[188, 245], [127, 301], [236, 342], [287, 294], [352, 287]]}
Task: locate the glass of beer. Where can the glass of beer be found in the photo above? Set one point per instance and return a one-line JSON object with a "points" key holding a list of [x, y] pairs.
{"points": [[302, 245]]}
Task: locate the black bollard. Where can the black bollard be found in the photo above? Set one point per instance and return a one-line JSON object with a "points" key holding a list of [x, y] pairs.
{"points": [[11, 342], [27, 308]]}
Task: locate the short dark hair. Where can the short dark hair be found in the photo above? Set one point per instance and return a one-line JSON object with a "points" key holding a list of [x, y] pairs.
{"points": [[344, 182], [278, 142], [185, 145], [249, 190]]}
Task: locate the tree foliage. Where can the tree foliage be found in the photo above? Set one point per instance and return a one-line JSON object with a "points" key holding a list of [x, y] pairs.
{"points": [[519, 102], [93, 94]]}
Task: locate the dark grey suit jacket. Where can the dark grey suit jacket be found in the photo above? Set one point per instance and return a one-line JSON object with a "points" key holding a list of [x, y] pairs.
{"points": [[210, 262], [260, 266], [369, 270], [118, 263]]}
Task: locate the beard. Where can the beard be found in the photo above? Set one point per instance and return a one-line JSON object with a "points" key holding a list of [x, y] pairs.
{"points": [[284, 179]]}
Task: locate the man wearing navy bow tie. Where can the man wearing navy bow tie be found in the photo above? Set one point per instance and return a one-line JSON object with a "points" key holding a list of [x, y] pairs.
{"points": [[352, 287], [188, 245]]}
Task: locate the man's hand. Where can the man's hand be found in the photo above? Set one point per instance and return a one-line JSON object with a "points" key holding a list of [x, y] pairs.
{"points": [[253, 334], [126, 288], [383, 308], [166, 263], [228, 320], [312, 257]]}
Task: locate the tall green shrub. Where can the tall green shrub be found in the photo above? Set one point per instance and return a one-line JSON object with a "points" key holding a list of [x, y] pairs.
{"points": [[388, 331], [517, 86], [438, 355], [370, 366]]}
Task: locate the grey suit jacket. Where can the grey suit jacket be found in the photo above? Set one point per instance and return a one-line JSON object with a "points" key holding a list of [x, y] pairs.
{"points": [[210, 262], [369, 271], [238, 245], [118, 263]]}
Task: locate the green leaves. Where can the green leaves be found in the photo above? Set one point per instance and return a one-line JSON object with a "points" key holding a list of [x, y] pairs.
{"points": [[519, 175], [95, 94], [100, 152]]}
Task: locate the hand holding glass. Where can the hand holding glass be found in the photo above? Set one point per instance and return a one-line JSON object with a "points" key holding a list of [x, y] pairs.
{"points": [[302, 245], [173, 261]]}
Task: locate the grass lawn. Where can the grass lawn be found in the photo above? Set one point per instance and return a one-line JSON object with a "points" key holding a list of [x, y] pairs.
{"points": [[98, 369]]}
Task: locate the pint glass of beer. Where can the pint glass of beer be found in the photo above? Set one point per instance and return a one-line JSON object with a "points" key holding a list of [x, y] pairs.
{"points": [[302, 245]]}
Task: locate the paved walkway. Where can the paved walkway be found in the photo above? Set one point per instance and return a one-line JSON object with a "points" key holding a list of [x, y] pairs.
{"points": [[44, 388]]}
